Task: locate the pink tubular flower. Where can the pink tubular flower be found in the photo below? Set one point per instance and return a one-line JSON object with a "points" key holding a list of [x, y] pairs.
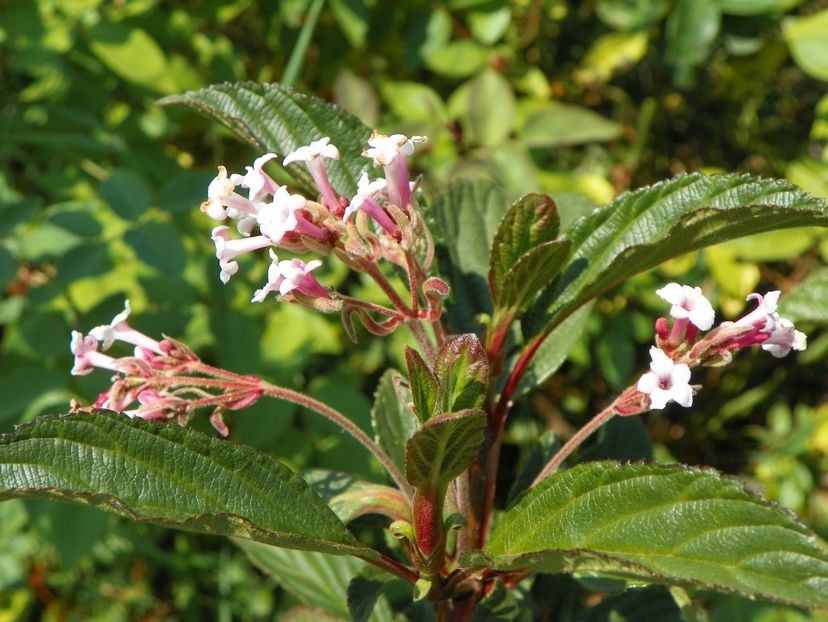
{"points": [[312, 155], [282, 216], [391, 152], [119, 330], [689, 304], [228, 249], [666, 381], [364, 200], [257, 181], [784, 338], [291, 275], [776, 334], [221, 195], [85, 349]]}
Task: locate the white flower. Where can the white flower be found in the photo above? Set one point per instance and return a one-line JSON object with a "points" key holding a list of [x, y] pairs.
{"points": [[119, 330], [784, 338], [688, 304], [666, 381], [220, 190], [384, 149], [257, 181], [279, 217], [317, 149], [764, 316], [227, 249], [289, 275], [365, 190]]}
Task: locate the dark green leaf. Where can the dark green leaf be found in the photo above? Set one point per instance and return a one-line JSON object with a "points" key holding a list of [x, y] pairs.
{"points": [[631, 14], [530, 274], [643, 228], [159, 245], [272, 117], [127, 194], [533, 464], [809, 301], [393, 423], [637, 605], [424, 388], [169, 475], [462, 371], [8, 267], [363, 593], [666, 524], [466, 217], [500, 605], [443, 448], [531, 220]]}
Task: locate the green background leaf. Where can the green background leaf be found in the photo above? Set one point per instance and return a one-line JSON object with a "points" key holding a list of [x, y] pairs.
{"points": [[393, 424]]}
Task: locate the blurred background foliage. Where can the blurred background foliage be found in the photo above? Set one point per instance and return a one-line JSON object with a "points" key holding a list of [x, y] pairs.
{"points": [[99, 189]]}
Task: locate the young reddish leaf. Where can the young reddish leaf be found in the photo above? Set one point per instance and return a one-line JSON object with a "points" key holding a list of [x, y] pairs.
{"points": [[462, 370]]}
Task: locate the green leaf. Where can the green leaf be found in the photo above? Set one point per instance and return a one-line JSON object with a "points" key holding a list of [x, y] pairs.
{"points": [[665, 524], [531, 220], [564, 124], [272, 117], [465, 219], [352, 17], [691, 29], [631, 14], [458, 59], [554, 351], [159, 245], [643, 228], [314, 579], [351, 498], [492, 108], [127, 194], [169, 475], [809, 301], [462, 371], [531, 273], [443, 448], [393, 423], [808, 39], [424, 389], [612, 52], [363, 593], [638, 605], [757, 7], [130, 53]]}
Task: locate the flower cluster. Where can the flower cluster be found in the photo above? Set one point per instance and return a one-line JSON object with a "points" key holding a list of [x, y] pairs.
{"points": [[162, 380], [681, 346], [298, 224]]}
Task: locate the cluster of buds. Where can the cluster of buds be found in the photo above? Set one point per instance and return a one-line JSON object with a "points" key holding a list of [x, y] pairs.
{"points": [[162, 380], [682, 346]]}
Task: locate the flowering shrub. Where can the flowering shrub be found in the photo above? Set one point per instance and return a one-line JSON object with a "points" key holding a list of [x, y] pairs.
{"points": [[439, 426]]}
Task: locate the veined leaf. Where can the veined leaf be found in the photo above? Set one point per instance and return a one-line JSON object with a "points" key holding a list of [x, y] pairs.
{"points": [[462, 371], [171, 476], [393, 424], [665, 524], [465, 218], [424, 389], [531, 220], [273, 117], [809, 301], [530, 274], [443, 448], [643, 228]]}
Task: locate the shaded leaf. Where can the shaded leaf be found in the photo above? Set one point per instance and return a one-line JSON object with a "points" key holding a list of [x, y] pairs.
{"points": [[666, 524], [443, 448], [273, 117], [393, 423], [531, 273], [465, 218], [127, 194], [691, 29], [564, 124], [351, 498], [171, 476], [363, 594], [159, 245], [807, 38], [492, 108]]}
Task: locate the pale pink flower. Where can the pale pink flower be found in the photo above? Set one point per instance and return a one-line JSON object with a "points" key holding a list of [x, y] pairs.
{"points": [[365, 201], [291, 275], [666, 381], [391, 152], [221, 195], [259, 183], [119, 330], [764, 316], [85, 349], [784, 338], [313, 156], [228, 249], [688, 304]]}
